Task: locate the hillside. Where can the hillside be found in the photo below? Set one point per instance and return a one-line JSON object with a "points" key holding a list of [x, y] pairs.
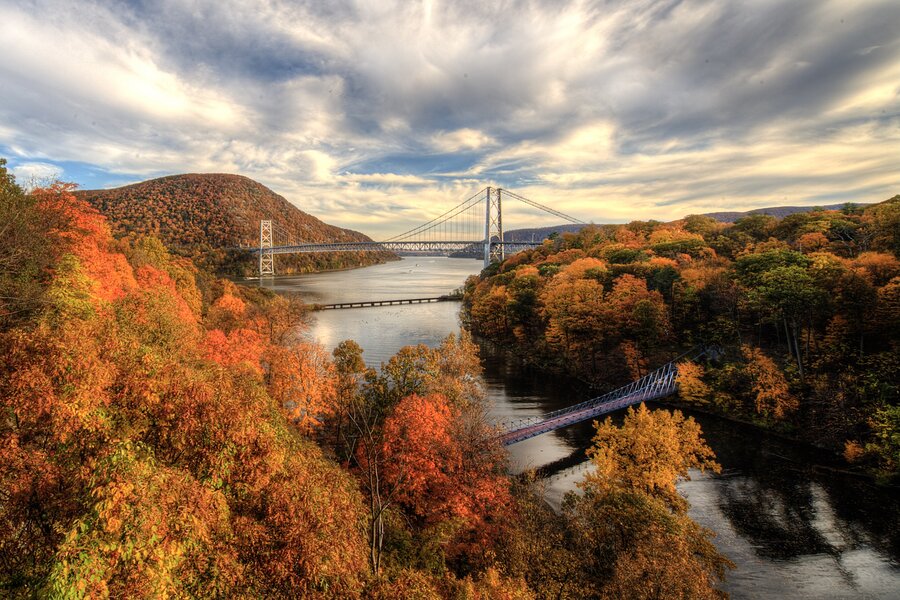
{"points": [[539, 233], [805, 310], [211, 216], [779, 212]]}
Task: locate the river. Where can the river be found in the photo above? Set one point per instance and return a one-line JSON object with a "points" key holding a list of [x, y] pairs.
{"points": [[793, 530]]}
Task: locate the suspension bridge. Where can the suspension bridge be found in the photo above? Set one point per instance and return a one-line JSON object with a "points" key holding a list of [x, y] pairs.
{"points": [[474, 227], [652, 386]]}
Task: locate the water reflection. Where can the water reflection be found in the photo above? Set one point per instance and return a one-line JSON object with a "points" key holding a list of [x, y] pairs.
{"points": [[793, 530]]}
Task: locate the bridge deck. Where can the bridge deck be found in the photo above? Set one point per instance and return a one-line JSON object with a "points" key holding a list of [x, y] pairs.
{"points": [[418, 247], [371, 303]]}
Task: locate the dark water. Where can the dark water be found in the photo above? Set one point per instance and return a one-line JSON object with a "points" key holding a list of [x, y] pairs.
{"points": [[793, 530]]}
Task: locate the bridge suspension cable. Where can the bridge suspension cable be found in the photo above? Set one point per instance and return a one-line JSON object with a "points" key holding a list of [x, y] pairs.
{"points": [[282, 235], [466, 204], [540, 206]]}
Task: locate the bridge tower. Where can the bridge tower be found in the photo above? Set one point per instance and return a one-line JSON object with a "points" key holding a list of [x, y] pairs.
{"points": [[266, 256], [493, 226]]}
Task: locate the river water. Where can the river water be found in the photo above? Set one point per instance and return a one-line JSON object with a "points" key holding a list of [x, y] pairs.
{"points": [[794, 530]]}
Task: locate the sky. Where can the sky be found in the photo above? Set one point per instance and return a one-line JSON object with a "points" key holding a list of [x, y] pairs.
{"points": [[379, 115]]}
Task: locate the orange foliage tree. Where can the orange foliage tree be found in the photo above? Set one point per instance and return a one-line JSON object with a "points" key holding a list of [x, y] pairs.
{"points": [[302, 378], [691, 387], [435, 474]]}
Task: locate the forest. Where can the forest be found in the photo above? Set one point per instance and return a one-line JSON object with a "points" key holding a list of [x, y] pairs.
{"points": [[165, 433], [803, 311]]}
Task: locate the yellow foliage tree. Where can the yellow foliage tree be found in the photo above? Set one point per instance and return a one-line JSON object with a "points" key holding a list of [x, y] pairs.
{"points": [[773, 398], [648, 453], [691, 387]]}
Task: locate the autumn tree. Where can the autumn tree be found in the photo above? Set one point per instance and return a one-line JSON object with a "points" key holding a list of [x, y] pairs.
{"points": [[691, 387], [577, 320], [436, 474], [425, 404], [773, 397], [32, 239], [636, 548], [631, 521], [133, 465], [648, 453], [489, 312], [302, 379]]}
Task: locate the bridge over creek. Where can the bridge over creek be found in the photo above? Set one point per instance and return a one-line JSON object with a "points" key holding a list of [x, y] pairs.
{"points": [[653, 386]]}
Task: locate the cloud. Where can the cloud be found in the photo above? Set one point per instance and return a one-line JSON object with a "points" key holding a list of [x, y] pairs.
{"points": [[391, 179], [373, 114], [31, 174], [461, 139]]}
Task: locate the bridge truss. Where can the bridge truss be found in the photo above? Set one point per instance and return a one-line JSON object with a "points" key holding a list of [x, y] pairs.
{"points": [[474, 227], [418, 248], [652, 386]]}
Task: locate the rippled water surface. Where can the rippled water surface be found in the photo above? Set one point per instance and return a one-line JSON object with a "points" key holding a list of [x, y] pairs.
{"points": [[794, 530]]}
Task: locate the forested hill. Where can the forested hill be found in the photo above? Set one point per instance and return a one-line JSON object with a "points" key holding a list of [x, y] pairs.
{"points": [[208, 208], [204, 214], [779, 212]]}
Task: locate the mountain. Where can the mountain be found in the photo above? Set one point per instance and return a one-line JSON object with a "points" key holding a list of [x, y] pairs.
{"points": [[210, 217], [779, 212], [539, 233]]}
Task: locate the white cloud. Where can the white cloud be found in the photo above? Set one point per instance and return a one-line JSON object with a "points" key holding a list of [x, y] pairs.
{"points": [[377, 114], [32, 174], [461, 139], [392, 179]]}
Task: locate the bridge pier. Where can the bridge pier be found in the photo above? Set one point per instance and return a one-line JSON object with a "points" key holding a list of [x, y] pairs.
{"points": [[493, 227], [266, 254]]}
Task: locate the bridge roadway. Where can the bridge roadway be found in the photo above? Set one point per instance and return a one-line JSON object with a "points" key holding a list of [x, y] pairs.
{"points": [[370, 303], [653, 386], [420, 247]]}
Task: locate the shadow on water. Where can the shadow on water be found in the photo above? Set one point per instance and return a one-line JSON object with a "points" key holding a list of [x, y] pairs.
{"points": [[773, 495]]}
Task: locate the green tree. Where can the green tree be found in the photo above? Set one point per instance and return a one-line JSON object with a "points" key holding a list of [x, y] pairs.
{"points": [[30, 243]]}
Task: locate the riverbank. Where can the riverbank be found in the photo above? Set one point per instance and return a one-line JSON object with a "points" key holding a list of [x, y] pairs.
{"points": [[835, 462], [250, 278]]}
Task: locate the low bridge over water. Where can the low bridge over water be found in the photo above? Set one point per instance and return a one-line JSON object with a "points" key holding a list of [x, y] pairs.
{"points": [[397, 302]]}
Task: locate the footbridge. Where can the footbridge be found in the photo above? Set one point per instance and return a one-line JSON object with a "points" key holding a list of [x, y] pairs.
{"points": [[474, 227], [652, 386]]}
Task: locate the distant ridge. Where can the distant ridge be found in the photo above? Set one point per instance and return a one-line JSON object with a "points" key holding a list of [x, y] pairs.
{"points": [[539, 233], [777, 211], [209, 215]]}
